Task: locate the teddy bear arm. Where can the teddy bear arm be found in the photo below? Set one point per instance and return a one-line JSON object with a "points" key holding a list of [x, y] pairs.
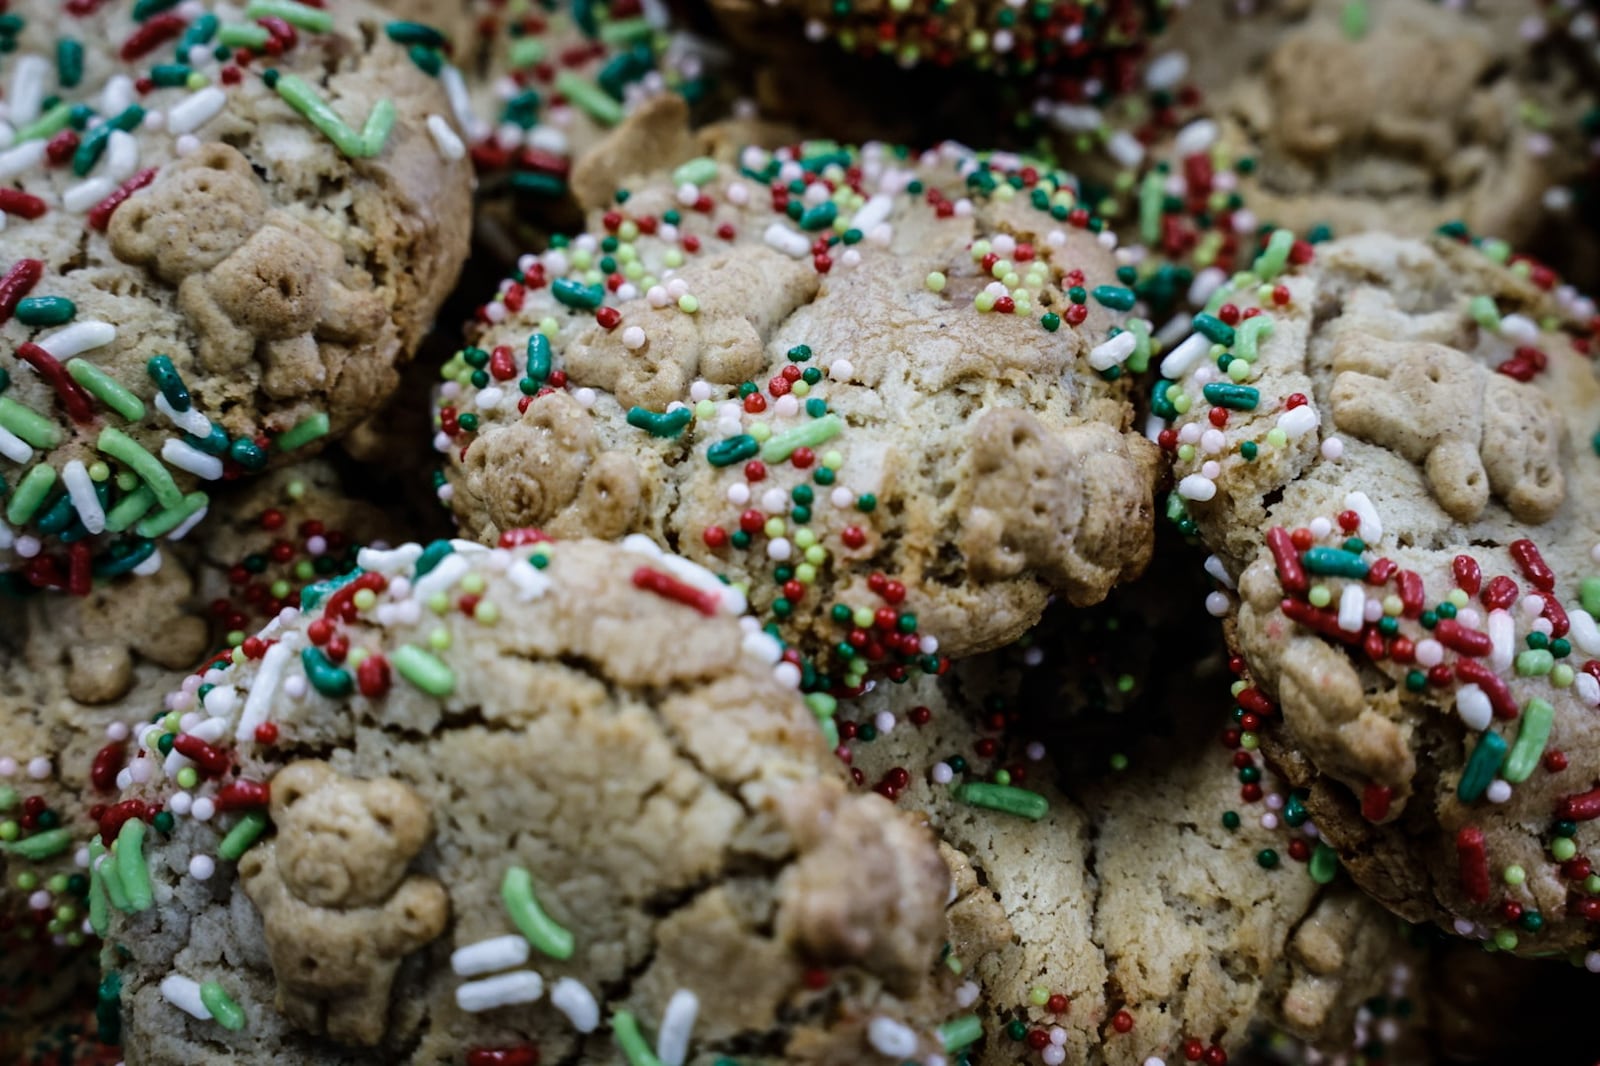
{"points": [[415, 915], [224, 345]]}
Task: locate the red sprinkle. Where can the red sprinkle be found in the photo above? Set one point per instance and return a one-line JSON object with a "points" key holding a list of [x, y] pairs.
{"points": [[1290, 573], [1324, 622], [117, 815], [211, 760], [1557, 617], [512, 538], [523, 1055], [17, 283], [1581, 807], [100, 214], [1467, 573], [23, 205], [1457, 637], [1375, 801], [1499, 594], [1533, 565], [664, 584], [1474, 860], [73, 396], [240, 794], [153, 33], [79, 574], [372, 676], [1411, 593], [1493, 685], [107, 764]]}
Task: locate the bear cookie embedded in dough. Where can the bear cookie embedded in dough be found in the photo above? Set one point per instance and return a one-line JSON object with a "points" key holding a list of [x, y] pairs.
{"points": [[339, 909]]}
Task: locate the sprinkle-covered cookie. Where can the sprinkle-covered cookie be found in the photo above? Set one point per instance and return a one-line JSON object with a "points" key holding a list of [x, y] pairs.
{"points": [[548, 801], [225, 228], [1405, 493], [882, 394]]}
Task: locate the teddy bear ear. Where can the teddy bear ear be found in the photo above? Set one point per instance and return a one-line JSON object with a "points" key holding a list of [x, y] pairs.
{"points": [[297, 781], [399, 812]]}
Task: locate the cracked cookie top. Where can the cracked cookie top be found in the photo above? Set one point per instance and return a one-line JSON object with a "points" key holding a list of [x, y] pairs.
{"points": [[884, 394], [227, 226], [468, 800], [1406, 494]]}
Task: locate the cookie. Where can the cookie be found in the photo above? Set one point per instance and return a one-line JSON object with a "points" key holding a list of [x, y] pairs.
{"points": [[1116, 916], [224, 236], [880, 393], [507, 804], [1403, 493]]}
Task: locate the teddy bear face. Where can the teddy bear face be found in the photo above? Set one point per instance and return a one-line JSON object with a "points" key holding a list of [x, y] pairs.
{"points": [[344, 843], [207, 207]]}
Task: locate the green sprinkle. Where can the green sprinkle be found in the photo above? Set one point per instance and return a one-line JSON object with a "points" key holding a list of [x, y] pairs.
{"points": [[297, 15], [1481, 767], [808, 435], [125, 449], [428, 60], [106, 389], [695, 171], [538, 357], [122, 557], [434, 554], [735, 449], [424, 670], [588, 98], [1275, 256], [1005, 798], [40, 845], [1324, 865], [526, 51], [540, 930], [167, 379], [1152, 202], [224, 1011], [1214, 329], [99, 901], [94, 142], [30, 494], [1589, 595], [1485, 313], [165, 521], [28, 424], [631, 1041], [328, 679], [1354, 19], [660, 425], [243, 35], [1249, 334], [69, 62], [819, 216], [132, 869], [1537, 717], [170, 75], [132, 507], [303, 432], [304, 99], [200, 32], [1235, 397], [1114, 296], [536, 184], [577, 295], [244, 833], [46, 311], [957, 1033], [626, 31], [1535, 663], [48, 124], [1335, 562], [144, 9], [414, 33]]}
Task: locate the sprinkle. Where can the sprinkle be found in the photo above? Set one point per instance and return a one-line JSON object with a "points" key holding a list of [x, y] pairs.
{"points": [[1352, 607], [30, 494], [94, 142], [577, 295], [726, 452], [1248, 336], [1185, 357], [328, 679], [221, 1006], [1472, 704], [16, 449], [519, 986], [73, 398], [588, 98], [783, 239], [574, 1000], [424, 670], [1481, 768], [28, 424], [677, 1023], [300, 16], [697, 172], [959, 1032], [1492, 684], [1270, 263], [1534, 568], [891, 1038], [1234, 397], [184, 993], [660, 425], [174, 520], [542, 931], [132, 869], [40, 846], [626, 1030], [258, 705], [106, 389], [1537, 717], [1473, 862], [1298, 421], [28, 206], [364, 145], [80, 489], [120, 446], [1005, 798], [187, 457], [1197, 487], [665, 585], [488, 956], [818, 431], [1112, 352], [195, 110], [100, 214], [445, 138], [24, 157], [244, 833], [18, 282]]}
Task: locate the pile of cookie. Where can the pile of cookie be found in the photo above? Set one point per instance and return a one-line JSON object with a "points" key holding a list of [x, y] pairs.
{"points": [[935, 532]]}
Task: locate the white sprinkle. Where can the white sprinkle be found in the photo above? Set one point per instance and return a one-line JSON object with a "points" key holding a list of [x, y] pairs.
{"points": [[1473, 705], [571, 998], [1212, 441], [195, 110], [1204, 284], [201, 867], [84, 195], [841, 370], [445, 138], [875, 211], [389, 561], [633, 338], [1591, 962], [78, 338], [1218, 572], [1498, 791], [14, 447], [1519, 329], [39, 768], [190, 421], [150, 565], [783, 239], [738, 494], [184, 993], [1503, 637], [1298, 421], [455, 90], [519, 986], [1195, 487], [1352, 610], [1125, 148], [1113, 352], [24, 157], [891, 1038], [488, 956], [1185, 357], [259, 703], [1429, 652], [1584, 632], [967, 993], [787, 674], [122, 156], [80, 487], [530, 581], [1332, 449], [28, 81], [1197, 136], [1166, 70], [220, 701], [779, 549], [186, 456], [489, 398], [1587, 687], [1371, 527], [942, 774], [1217, 604], [442, 578], [677, 1022], [117, 95]]}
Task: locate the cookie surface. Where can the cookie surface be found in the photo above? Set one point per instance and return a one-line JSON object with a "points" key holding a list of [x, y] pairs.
{"points": [[1406, 493], [222, 240], [581, 750], [885, 422]]}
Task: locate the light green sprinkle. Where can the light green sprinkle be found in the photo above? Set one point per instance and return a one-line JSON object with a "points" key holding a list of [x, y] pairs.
{"points": [[31, 492], [130, 509], [246, 832], [1249, 335], [526, 52], [589, 98], [626, 31], [695, 171], [1152, 197], [1139, 361], [1485, 313], [132, 869], [1354, 19], [423, 670], [28, 424], [540, 930], [1537, 718], [1005, 798], [808, 435], [1275, 256], [297, 15], [106, 389], [1589, 594], [165, 521], [364, 145], [243, 35], [224, 1011], [99, 901], [40, 845], [631, 1041], [308, 429], [125, 449], [957, 1033], [48, 124]]}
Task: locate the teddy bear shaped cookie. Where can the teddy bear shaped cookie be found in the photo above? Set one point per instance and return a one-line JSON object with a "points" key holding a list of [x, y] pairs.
{"points": [[338, 907]]}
